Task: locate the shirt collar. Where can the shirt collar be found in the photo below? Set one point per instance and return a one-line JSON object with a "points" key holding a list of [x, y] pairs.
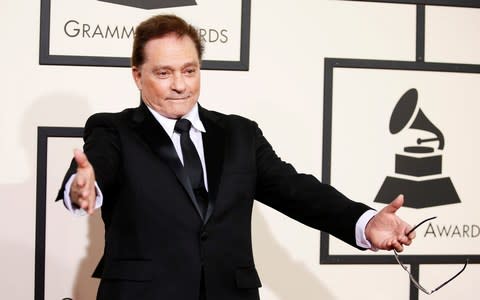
{"points": [[169, 124]]}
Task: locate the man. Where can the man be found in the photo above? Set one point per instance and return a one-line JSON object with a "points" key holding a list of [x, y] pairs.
{"points": [[176, 196]]}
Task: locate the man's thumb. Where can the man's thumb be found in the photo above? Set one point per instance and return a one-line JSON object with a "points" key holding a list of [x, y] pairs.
{"points": [[80, 158], [395, 204]]}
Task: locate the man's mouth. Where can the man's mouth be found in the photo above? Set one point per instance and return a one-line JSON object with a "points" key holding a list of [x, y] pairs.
{"points": [[178, 98]]}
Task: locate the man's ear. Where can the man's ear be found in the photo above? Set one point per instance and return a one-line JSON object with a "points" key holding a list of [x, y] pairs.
{"points": [[137, 76]]}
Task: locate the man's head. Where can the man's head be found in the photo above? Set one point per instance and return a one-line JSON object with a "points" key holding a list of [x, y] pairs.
{"points": [[166, 60], [160, 26]]}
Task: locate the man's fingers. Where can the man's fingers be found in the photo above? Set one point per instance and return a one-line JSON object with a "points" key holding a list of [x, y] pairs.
{"points": [[81, 184], [412, 235], [88, 197], [79, 181], [405, 240], [397, 246], [83, 203], [82, 192], [83, 187], [87, 202], [91, 207]]}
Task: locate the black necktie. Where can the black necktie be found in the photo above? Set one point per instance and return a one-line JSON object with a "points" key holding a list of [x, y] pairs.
{"points": [[192, 164]]}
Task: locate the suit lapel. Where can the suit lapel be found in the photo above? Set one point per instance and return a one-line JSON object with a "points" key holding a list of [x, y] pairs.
{"points": [[214, 150], [161, 144]]}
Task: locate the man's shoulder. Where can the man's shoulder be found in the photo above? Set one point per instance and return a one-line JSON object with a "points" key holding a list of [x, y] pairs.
{"points": [[226, 119], [111, 118]]}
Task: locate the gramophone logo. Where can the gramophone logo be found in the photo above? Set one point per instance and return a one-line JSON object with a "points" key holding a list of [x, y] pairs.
{"points": [[152, 4], [418, 168]]}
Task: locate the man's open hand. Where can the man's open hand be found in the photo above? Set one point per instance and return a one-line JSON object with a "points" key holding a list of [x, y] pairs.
{"points": [[82, 192], [387, 231]]}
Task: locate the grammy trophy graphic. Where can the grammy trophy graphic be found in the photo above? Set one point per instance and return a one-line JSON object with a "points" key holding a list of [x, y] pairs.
{"points": [[418, 169]]}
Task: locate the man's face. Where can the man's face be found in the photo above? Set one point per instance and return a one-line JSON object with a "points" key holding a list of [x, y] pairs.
{"points": [[169, 79]]}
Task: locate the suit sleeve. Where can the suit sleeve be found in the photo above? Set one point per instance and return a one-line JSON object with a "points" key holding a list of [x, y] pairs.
{"points": [[102, 148], [302, 197]]}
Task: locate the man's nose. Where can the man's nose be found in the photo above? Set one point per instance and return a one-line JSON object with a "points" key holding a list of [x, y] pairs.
{"points": [[178, 83]]}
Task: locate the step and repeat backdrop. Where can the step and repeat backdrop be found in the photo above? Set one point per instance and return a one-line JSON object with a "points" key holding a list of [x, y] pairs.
{"points": [[377, 98]]}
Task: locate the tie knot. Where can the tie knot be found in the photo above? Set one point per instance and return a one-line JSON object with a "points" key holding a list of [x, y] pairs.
{"points": [[182, 125]]}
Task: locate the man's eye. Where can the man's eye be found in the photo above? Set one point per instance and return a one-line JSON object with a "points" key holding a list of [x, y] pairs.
{"points": [[161, 74], [190, 71]]}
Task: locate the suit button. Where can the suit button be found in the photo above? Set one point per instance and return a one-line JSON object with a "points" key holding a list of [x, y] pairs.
{"points": [[204, 236]]}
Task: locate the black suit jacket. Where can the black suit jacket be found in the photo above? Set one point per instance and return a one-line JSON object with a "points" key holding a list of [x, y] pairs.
{"points": [[157, 243]]}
